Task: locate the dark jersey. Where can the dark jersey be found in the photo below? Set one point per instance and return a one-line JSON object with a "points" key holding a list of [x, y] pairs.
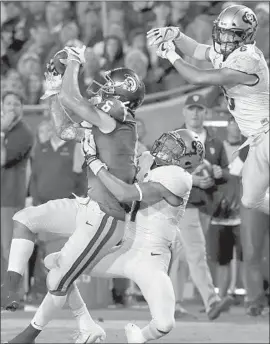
{"points": [[117, 151]]}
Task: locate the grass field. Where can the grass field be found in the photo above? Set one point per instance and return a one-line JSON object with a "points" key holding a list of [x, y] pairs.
{"points": [[231, 327]]}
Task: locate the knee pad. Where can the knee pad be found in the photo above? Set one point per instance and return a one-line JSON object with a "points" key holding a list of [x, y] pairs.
{"points": [[164, 325], [50, 261]]}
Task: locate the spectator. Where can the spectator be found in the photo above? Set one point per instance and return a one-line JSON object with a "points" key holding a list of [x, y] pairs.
{"points": [[16, 143], [53, 158], [34, 89], [200, 206], [224, 232], [262, 12], [136, 60], [90, 26], [113, 54], [29, 64], [56, 14], [6, 41]]}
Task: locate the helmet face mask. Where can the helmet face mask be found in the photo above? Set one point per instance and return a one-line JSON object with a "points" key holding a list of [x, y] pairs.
{"points": [[235, 26], [121, 83], [180, 148]]}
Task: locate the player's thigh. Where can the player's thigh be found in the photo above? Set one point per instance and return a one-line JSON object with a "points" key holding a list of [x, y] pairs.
{"points": [[96, 233], [255, 174], [112, 265], [57, 216]]}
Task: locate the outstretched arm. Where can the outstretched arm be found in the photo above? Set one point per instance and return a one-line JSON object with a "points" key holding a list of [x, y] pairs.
{"points": [[72, 99], [197, 76], [65, 128], [185, 44]]}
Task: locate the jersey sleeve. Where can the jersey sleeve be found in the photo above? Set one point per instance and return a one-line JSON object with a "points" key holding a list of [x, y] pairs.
{"points": [[114, 108], [173, 178], [245, 59]]}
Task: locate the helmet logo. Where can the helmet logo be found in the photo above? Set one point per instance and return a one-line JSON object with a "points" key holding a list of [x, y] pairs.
{"points": [[249, 18], [130, 84]]}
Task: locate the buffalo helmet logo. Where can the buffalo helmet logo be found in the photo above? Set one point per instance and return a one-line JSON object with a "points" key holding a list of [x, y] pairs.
{"points": [[249, 18]]}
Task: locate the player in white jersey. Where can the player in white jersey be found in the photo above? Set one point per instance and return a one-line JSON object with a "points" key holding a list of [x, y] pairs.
{"points": [[241, 70], [151, 231]]}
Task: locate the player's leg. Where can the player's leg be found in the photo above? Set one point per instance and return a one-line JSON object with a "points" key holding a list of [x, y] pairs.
{"points": [[161, 300], [112, 265], [224, 258], [96, 232], [255, 176], [57, 216], [193, 241], [254, 228]]}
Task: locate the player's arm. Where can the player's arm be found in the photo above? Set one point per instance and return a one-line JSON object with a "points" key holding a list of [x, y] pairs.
{"points": [[65, 128], [149, 192], [185, 44], [71, 98], [197, 76]]}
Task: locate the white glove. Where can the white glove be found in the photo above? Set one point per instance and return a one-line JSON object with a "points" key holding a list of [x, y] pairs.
{"points": [[53, 81], [75, 54], [89, 150], [88, 144], [163, 34], [164, 48]]}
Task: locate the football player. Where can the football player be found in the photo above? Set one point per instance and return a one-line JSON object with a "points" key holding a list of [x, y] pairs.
{"points": [[151, 229], [241, 70], [93, 223]]}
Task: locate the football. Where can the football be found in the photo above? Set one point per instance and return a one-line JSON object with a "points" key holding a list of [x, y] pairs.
{"points": [[59, 66]]}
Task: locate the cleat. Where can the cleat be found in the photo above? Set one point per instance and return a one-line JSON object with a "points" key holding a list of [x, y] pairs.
{"points": [[95, 335], [10, 300], [134, 334], [219, 307]]}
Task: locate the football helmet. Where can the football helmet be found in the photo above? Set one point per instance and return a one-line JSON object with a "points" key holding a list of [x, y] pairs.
{"points": [[181, 147], [122, 83], [235, 26]]}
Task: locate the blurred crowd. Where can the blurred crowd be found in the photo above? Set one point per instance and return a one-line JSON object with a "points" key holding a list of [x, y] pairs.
{"points": [[33, 31]]}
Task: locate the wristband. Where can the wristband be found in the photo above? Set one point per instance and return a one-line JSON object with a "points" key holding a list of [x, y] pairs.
{"points": [[96, 165], [172, 56], [2, 134]]}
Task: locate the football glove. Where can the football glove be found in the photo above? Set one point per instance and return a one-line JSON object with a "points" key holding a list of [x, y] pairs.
{"points": [[164, 48], [159, 35], [53, 81], [75, 54], [90, 152]]}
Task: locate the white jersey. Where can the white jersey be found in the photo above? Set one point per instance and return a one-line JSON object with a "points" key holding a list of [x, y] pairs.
{"points": [[248, 104], [156, 225]]}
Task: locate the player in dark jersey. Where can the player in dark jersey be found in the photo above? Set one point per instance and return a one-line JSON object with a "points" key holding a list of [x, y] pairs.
{"points": [[92, 222]]}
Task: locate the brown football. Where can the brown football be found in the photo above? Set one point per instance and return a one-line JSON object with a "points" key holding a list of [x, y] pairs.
{"points": [[59, 66]]}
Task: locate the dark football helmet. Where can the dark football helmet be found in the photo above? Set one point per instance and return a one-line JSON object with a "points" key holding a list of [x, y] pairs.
{"points": [[181, 148], [235, 26], [122, 83]]}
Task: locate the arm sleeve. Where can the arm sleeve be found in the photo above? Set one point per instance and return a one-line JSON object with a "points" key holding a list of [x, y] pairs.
{"points": [[173, 178], [18, 147]]}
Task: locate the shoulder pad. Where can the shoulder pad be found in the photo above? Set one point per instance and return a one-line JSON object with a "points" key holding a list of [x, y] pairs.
{"points": [[245, 59], [114, 108], [173, 178]]}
